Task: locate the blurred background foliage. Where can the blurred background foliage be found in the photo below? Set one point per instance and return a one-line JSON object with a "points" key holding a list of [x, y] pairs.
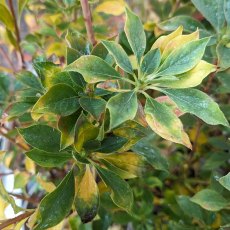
{"points": [[32, 31]]}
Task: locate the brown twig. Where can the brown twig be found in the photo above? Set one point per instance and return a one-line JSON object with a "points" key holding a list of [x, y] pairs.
{"points": [[13, 141], [17, 33], [88, 21], [22, 197], [6, 174], [15, 220]]}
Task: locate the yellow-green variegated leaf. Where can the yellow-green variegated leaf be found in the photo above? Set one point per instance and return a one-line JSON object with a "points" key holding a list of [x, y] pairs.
{"points": [[135, 34], [178, 42], [93, 69], [198, 103], [56, 205], [163, 41], [165, 123], [9, 199], [192, 78], [121, 193], [60, 99], [122, 107], [184, 58], [122, 59], [131, 162], [66, 125], [87, 197], [84, 131]]}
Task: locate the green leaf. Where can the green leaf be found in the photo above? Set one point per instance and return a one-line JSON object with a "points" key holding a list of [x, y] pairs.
{"points": [[42, 137], [188, 79], [147, 148], [78, 42], [151, 61], [56, 205], [227, 13], [121, 193], [165, 123], [46, 70], [17, 109], [122, 107], [190, 208], [60, 99], [21, 6], [6, 18], [66, 125], [119, 55], [202, 105], [48, 159], [9, 199], [223, 53], [212, 11], [184, 58], [225, 181], [215, 159], [209, 200], [87, 197], [93, 69], [112, 144], [71, 55], [135, 34], [94, 106], [29, 79], [189, 24], [99, 50], [84, 131]]}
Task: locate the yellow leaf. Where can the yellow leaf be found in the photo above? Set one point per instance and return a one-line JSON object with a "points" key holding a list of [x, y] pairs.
{"points": [[32, 219], [111, 7], [178, 42], [48, 186], [130, 162], [87, 198], [202, 137], [19, 225], [163, 41], [56, 48], [3, 205], [2, 154], [192, 78], [30, 165]]}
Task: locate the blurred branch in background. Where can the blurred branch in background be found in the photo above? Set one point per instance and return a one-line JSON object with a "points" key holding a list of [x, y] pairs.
{"points": [[88, 21]]}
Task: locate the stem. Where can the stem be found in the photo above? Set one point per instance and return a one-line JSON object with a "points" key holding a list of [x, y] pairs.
{"points": [[15, 220], [22, 146], [127, 80], [88, 21], [144, 93], [17, 32]]}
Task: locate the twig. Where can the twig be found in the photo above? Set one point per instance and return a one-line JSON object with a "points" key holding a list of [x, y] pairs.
{"points": [[22, 197], [4, 54], [88, 21], [15, 220], [17, 32], [6, 174], [13, 141]]}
